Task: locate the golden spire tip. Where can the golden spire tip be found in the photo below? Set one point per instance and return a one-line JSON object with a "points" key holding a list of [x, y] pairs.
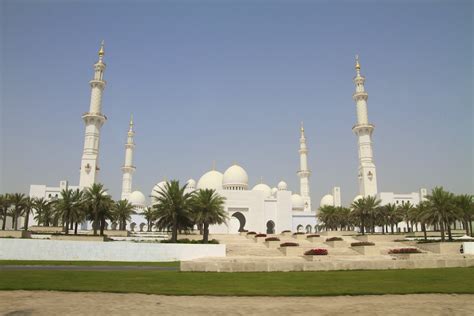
{"points": [[357, 65], [101, 50]]}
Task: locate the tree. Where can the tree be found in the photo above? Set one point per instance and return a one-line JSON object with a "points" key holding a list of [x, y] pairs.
{"points": [[418, 216], [441, 210], [173, 208], [79, 209], [5, 202], [122, 212], [99, 203], [208, 209], [43, 211], [465, 204], [405, 210], [364, 210], [18, 203], [64, 207], [150, 216], [393, 217], [329, 217], [28, 207]]}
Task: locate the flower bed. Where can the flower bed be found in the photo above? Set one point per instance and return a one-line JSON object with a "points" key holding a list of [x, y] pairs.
{"points": [[403, 250], [286, 231], [289, 244], [251, 233], [261, 235], [316, 252], [362, 243], [298, 233], [272, 239], [335, 239], [313, 235]]}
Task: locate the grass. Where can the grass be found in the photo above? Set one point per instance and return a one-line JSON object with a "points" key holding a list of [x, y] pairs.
{"points": [[86, 263], [449, 280]]}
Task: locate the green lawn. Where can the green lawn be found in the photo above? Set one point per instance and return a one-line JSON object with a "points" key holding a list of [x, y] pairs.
{"points": [[87, 263], [452, 280]]}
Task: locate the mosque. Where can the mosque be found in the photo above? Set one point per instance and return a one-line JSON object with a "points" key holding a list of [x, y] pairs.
{"points": [[261, 208]]}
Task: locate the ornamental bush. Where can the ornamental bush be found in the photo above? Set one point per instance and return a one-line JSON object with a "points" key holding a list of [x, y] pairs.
{"points": [[316, 252], [313, 235], [403, 250], [335, 239], [289, 244], [362, 243], [272, 239], [299, 233], [261, 235], [251, 233]]}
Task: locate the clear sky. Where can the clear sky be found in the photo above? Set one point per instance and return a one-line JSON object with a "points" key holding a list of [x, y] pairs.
{"points": [[230, 81]]}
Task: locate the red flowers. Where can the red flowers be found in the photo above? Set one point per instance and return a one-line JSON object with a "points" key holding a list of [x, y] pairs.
{"points": [[316, 252], [403, 250]]}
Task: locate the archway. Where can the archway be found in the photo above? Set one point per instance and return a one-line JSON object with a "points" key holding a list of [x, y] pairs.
{"points": [[132, 226], [237, 222], [308, 229], [299, 228], [114, 226], [141, 227], [270, 227]]}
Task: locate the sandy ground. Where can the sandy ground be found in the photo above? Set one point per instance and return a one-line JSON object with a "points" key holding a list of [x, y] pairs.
{"points": [[64, 303]]}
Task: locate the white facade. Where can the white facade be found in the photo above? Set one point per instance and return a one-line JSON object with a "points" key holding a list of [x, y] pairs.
{"points": [[363, 129], [128, 169]]}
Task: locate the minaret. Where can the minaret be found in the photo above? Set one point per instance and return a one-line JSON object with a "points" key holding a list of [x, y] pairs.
{"points": [[94, 119], [128, 169], [363, 129], [304, 172]]}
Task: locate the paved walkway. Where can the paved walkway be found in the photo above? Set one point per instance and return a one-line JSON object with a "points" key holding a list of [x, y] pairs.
{"points": [[77, 303], [84, 268]]}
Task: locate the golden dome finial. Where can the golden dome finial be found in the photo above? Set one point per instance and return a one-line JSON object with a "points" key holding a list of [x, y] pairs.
{"points": [[357, 66], [131, 121], [302, 127], [101, 50]]}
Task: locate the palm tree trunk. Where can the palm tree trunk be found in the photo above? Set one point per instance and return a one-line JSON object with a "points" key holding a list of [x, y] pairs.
{"points": [[75, 228], [205, 235], [27, 219], [4, 224], [102, 226], [466, 227], [362, 226], [450, 237], [441, 226], [96, 221], [470, 227], [15, 221], [423, 227]]}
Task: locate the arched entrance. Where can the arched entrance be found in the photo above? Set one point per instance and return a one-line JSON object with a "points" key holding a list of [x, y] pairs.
{"points": [[270, 227], [308, 229], [132, 226], [299, 228], [141, 226], [237, 223]]}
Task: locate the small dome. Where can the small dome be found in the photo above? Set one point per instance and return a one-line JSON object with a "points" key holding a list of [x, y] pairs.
{"points": [[210, 180], [297, 202], [282, 186], [157, 188], [274, 191], [137, 198], [327, 200], [235, 178], [358, 197], [191, 184], [263, 187]]}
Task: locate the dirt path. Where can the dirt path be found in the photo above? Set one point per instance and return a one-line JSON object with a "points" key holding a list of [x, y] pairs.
{"points": [[64, 303]]}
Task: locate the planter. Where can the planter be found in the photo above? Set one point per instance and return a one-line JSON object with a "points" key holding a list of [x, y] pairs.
{"points": [[15, 234], [407, 256], [243, 233], [367, 250], [315, 239], [336, 244], [78, 237], [299, 236], [441, 247], [375, 238], [317, 258], [286, 233], [46, 229], [118, 233], [259, 239], [273, 244], [292, 251], [333, 233]]}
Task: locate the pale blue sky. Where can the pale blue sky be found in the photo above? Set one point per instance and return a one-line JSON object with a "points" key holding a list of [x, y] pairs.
{"points": [[231, 81]]}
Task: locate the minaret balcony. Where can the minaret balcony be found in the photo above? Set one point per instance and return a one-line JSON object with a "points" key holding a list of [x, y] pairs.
{"points": [[303, 173], [94, 115], [363, 127], [97, 83], [128, 168], [360, 96]]}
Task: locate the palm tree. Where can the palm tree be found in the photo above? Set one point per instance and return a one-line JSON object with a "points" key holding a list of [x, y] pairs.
{"points": [[122, 212], [79, 209], [405, 209], [465, 203], [64, 207], [29, 205], [150, 216], [329, 217], [43, 211], [418, 216], [364, 210], [208, 209], [99, 202], [393, 217], [173, 208], [5, 203], [18, 202], [441, 210]]}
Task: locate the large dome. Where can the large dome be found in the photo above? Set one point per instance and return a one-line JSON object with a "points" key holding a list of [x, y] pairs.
{"points": [[210, 180], [282, 186], [327, 200], [274, 191], [263, 187], [157, 188], [358, 197], [297, 202], [136, 198], [191, 184], [235, 178]]}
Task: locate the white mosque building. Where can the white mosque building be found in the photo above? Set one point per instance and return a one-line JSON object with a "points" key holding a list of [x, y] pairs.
{"points": [[261, 208]]}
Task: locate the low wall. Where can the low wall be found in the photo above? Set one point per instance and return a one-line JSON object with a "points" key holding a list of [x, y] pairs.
{"points": [[441, 247], [15, 234], [78, 237], [45, 229], [468, 247], [373, 238], [34, 249], [332, 233]]}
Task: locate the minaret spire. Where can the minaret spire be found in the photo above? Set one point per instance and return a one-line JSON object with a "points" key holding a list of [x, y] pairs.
{"points": [[128, 168], [304, 172], [94, 119], [363, 129]]}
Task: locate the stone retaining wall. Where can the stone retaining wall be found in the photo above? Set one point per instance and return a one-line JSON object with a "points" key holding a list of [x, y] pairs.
{"points": [[15, 234]]}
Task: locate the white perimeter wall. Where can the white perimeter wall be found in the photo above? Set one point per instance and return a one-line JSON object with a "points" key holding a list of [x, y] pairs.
{"points": [[31, 249]]}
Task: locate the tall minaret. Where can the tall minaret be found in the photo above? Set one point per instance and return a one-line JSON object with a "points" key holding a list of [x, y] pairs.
{"points": [[304, 172], [94, 119], [363, 129], [128, 169]]}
